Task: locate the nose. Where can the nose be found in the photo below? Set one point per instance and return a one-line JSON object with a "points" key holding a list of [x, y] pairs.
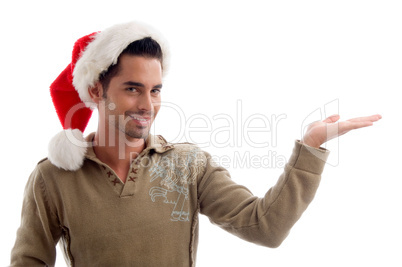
{"points": [[145, 102]]}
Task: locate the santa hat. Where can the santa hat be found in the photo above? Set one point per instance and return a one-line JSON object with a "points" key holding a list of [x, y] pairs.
{"points": [[92, 55]]}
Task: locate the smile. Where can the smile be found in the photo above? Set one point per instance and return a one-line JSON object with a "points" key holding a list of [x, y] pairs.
{"points": [[140, 119]]}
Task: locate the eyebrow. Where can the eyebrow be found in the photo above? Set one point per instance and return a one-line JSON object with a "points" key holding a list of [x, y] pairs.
{"points": [[137, 84]]}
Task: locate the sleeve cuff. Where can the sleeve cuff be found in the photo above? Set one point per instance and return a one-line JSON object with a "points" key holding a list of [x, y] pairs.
{"points": [[308, 158]]}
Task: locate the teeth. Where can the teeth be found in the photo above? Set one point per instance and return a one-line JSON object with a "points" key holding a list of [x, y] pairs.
{"points": [[138, 119]]}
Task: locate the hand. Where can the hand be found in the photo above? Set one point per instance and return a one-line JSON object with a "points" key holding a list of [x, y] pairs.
{"points": [[320, 132]]}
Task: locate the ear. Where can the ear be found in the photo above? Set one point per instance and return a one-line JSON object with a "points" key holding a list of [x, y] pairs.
{"points": [[96, 93]]}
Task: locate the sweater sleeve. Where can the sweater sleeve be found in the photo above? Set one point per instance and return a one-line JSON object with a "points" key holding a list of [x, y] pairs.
{"points": [[39, 231], [265, 221]]}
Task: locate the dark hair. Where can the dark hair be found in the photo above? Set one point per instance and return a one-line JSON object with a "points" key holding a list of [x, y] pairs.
{"points": [[146, 47]]}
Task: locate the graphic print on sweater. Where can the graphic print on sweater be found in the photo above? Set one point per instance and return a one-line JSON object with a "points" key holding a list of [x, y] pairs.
{"points": [[178, 169]]}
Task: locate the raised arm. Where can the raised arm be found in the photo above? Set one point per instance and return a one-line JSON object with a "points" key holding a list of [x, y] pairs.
{"points": [[268, 220], [265, 221]]}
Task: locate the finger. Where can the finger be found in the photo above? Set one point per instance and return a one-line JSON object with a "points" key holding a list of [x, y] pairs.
{"points": [[332, 118], [347, 126], [372, 118]]}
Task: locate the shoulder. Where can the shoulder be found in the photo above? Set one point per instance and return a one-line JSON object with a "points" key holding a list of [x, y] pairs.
{"points": [[36, 181], [187, 150], [182, 163], [45, 166], [186, 147], [161, 146], [48, 172]]}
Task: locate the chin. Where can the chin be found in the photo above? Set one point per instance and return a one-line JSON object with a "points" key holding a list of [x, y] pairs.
{"points": [[143, 134]]}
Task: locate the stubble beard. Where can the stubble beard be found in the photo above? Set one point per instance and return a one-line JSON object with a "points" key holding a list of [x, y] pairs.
{"points": [[125, 124], [138, 133], [131, 129]]}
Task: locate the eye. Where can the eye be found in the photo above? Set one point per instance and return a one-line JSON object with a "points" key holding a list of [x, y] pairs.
{"points": [[131, 89], [156, 91]]}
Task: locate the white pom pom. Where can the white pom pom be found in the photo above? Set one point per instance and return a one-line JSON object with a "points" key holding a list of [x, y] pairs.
{"points": [[67, 149]]}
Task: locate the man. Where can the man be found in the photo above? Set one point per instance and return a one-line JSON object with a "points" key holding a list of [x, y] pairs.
{"points": [[123, 197]]}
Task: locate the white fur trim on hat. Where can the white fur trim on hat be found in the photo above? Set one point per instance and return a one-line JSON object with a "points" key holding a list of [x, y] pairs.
{"points": [[67, 149], [105, 50]]}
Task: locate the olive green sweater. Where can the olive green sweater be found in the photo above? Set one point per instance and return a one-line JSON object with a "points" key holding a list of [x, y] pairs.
{"points": [[152, 219]]}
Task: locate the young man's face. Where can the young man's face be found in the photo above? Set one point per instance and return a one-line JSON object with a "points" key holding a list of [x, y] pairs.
{"points": [[133, 96]]}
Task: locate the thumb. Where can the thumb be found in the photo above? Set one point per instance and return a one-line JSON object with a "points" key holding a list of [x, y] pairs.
{"points": [[332, 118]]}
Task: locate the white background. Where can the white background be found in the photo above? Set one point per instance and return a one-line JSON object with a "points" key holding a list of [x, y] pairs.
{"points": [[276, 57]]}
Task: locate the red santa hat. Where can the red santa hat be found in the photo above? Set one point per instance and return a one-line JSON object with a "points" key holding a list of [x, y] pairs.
{"points": [[92, 55]]}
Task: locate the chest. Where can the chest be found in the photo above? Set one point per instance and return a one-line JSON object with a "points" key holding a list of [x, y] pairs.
{"points": [[153, 197], [146, 215]]}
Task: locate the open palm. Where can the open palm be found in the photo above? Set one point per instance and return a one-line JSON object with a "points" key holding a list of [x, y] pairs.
{"points": [[320, 132]]}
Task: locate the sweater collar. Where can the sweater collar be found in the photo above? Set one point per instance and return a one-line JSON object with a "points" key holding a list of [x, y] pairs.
{"points": [[153, 142], [158, 143]]}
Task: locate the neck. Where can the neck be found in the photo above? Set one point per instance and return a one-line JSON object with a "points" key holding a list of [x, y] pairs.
{"points": [[117, 151]]}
